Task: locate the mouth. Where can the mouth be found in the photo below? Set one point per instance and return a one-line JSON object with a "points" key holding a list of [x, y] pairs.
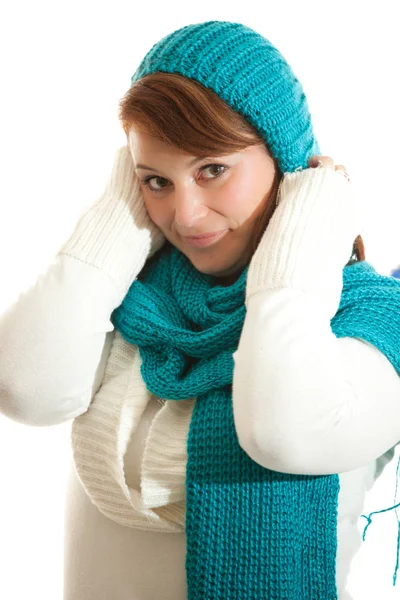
{"points": [[200, 241]]}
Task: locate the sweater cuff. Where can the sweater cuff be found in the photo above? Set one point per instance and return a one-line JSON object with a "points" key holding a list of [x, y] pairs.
{"points": [[115, 234], [309, 238]]}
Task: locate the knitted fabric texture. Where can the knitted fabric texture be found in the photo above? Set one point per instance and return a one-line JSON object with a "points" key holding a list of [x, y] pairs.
{"points": [[244, 69], [251, 532]]}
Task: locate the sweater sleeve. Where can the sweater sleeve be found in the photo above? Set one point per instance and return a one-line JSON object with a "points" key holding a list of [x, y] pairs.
{"points": [[54, 340], [305, 401]]}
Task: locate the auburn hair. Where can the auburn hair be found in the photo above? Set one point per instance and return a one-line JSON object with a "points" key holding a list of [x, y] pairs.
{"points": [[185, 114]]}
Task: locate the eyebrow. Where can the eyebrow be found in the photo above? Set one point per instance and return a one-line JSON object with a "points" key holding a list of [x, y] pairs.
{"points": [[190, 163]]}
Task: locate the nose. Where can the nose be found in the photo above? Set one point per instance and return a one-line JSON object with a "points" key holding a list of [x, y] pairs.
{"points": [[189, 208]]}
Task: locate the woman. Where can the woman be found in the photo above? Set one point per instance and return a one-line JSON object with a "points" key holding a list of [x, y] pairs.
{"points": [[228, 357]]}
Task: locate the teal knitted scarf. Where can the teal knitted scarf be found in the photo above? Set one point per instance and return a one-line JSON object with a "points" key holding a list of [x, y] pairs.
{"points": [[252, 533]]}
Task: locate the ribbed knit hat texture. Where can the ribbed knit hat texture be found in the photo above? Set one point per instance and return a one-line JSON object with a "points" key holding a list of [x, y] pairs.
{"points": [[250, 75]]}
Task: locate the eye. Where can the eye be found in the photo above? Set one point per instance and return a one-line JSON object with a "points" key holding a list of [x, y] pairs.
{"points": [[218, 167], [146, 180]]}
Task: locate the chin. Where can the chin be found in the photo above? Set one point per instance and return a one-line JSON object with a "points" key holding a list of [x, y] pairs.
{"points": [[216, 260], [209, 265]]}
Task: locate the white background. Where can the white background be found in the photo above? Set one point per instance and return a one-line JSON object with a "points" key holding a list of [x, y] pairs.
{"points": [[64, 67]]}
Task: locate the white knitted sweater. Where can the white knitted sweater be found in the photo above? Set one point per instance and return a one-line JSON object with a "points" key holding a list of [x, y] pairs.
{"points": [[303, 403]]}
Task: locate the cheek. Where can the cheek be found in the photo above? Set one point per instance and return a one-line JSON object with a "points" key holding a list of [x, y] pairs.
{"points": [[156, 212], [239, 200]]}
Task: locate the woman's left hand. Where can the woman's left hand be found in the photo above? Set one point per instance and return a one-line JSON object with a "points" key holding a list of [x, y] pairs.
{"points": [[327, 161], [310, 236]]}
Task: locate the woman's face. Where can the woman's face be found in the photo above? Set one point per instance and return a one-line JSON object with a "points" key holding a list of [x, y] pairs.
{"points": [[217, 194]]}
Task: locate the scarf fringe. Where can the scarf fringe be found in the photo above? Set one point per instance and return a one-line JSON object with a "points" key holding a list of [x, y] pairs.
{"points": [[398, 523]]}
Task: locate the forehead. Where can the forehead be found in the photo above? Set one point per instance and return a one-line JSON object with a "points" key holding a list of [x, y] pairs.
{"points": [[141, 140], [145, 147]]}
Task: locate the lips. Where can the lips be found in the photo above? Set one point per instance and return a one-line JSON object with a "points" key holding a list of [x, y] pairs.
{"points": [[205, 239], [203, 235]]}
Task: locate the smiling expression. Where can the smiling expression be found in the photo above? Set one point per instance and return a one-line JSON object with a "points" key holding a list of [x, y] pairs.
{"points": [[188, 197]]}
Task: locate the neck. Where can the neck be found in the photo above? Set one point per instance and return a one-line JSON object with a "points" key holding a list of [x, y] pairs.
{"points": [[228, 280]]}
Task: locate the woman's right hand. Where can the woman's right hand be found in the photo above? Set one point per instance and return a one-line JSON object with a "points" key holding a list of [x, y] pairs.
{"points": [[55, 339], [115, 234], [123, 164]]}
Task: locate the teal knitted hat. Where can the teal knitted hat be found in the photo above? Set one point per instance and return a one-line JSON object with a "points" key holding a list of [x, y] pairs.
{"points": [[244, 69]]}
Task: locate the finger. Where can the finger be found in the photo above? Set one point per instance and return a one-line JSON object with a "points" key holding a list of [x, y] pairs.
{"points": [[319, 160], [342, 169]]}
